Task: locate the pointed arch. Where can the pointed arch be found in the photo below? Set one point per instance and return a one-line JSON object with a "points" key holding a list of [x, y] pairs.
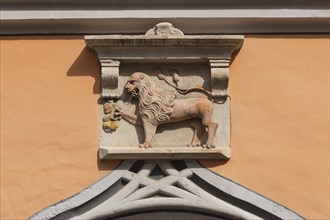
{"points": [[165, 186]]}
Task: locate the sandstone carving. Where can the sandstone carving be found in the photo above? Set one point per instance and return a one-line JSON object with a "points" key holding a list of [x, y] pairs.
{"points": [[197, 76], [175, 77], [110, 119], [158, 106], [164, 29]]}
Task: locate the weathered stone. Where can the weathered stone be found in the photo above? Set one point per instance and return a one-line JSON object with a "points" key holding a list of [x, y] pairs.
{"points": [[192, 71], [164, 29]]}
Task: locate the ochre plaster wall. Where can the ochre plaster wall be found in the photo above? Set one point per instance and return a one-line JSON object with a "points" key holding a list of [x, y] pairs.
{"points": [[280, 121], [279, 87], [49, 122]]}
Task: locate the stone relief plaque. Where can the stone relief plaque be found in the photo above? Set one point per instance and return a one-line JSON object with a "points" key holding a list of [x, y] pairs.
{"points": [[164, 94]]}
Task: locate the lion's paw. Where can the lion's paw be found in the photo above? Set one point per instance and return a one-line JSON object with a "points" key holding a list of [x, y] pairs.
{"points": [[208, 146], [194, 144], [145, 145]]}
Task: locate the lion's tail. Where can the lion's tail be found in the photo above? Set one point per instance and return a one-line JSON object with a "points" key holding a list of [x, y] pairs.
{"points": [[194, 89]]}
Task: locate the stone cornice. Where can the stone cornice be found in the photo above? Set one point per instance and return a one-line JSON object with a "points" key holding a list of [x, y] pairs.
{"points": [[234, 41], [134, 17]]}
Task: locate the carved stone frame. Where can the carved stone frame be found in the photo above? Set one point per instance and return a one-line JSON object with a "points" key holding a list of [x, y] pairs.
{"points": [[164, 43]]}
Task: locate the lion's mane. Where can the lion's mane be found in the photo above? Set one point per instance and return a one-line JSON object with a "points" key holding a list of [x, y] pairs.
{"points": [[156, 104]]}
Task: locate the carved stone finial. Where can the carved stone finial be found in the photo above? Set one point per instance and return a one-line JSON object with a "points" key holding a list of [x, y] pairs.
{"points": [[164, 29]]}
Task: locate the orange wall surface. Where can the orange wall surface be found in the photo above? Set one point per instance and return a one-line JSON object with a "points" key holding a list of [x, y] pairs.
{"points": [[50, 88]]}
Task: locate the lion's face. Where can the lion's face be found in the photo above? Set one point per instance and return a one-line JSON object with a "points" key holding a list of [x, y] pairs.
{"points": [[134, 83]]}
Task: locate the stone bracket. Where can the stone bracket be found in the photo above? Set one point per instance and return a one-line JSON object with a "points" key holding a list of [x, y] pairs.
{"points": [[219, 77], [109, 75]]}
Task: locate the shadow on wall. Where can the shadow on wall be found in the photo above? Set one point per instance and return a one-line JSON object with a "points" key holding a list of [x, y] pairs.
{"points": [[213, 163], [87, 64], [106, 164]]}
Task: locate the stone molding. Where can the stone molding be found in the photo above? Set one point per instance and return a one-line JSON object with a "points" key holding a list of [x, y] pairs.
{"points": [[129, 17], [140, 186]]}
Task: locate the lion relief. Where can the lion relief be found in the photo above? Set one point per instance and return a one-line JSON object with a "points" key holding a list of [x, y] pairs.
{"points": [[158, 106]]}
